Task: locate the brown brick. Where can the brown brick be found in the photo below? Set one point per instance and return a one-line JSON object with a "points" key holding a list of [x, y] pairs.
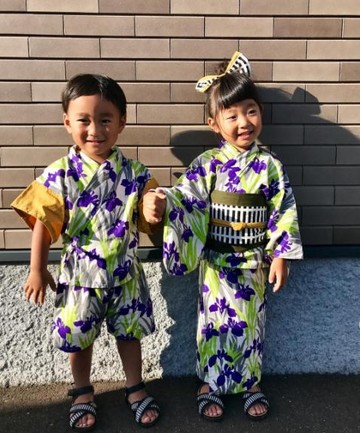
{"points": [[31, 24], [130, 152], [51, 136], [135, 48], [63, 6], [349, 114], [151, 240], [239, 27], [286, 93], [14, 135], [169, 70], [131, 116], [8, 196], [9, 221], [97, 25], [32, 69], [347, 235], [64, 47], [172, 114], [145, 136], [304, 113], [134, 7], [262, 71], [317, 235], [175, 157], [346, 49], [31, 157], [350, 71], [175, 174], [334, 7], [13, 5], [202, 48], [46, 92], [162, 175], [273, 8], [333, 92], [146, 92], [332, 134], [193, 136], [2, 239], [17, 239], [28, 113], [307, 27], [280, 134], [117, 70], [306, 71], [16, 177], [15, 92], [185, 93], [351, 28], [273, 49], [201, 7], [13, 47], [157, 26]]}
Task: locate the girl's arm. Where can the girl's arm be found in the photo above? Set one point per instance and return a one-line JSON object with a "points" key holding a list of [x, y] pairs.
{"points": [[39, 277]]}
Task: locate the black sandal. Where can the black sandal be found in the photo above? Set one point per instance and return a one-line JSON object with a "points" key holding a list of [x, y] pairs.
{"points": [[204, 400], [78, 410], [141, 406], [251, 398]]}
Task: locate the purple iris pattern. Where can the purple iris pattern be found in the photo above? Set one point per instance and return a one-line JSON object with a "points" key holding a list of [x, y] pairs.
{"points": [[52, 177]]}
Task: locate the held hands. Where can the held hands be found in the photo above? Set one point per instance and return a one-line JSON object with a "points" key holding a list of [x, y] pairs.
{"points": [[36, 283], [154, 205], [278, 273]]}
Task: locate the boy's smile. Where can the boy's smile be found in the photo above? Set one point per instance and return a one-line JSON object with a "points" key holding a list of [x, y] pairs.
{"points": [[94, 123]]}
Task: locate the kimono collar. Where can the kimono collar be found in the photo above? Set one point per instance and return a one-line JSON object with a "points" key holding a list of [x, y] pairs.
{"points": [[114, 156], [233, 153]]}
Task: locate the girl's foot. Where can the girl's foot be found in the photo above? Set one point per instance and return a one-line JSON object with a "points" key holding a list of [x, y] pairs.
{"points": [[256, 405], [83, 408], [137, 394], [210, 406]]}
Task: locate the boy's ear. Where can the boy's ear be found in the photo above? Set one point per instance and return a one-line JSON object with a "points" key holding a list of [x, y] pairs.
{"points": [[213, 125], [122, 123], [67, 123]]}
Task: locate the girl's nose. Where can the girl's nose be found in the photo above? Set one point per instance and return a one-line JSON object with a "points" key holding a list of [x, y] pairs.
{"points": [[243, 122]]}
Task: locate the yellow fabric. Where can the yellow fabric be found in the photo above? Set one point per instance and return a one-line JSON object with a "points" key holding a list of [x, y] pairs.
{"points": [[237, 226], [39, 202], [143, 225]]}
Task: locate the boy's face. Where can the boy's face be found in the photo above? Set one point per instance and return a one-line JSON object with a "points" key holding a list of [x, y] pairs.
{"points": [[239, 124], [94, 124]]}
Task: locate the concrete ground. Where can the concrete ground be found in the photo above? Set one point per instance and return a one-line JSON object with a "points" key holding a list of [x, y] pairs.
{"points": [[299, 403]]}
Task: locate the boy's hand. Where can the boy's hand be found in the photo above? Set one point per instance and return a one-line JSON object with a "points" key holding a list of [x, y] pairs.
{"points": [[154, 205], [278, 273], [35, 286]]}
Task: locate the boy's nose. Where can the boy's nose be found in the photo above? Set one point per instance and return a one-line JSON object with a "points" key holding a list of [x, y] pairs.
{"points": [[93, 128]]}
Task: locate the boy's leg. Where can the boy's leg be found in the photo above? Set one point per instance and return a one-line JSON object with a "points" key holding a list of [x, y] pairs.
{"points": [[130, 354], [80, 363]]}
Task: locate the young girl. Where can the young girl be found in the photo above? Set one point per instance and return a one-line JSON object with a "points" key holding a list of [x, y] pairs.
{"points": [[93, 198], [233, 212]]}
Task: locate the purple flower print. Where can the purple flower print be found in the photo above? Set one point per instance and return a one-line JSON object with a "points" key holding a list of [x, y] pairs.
{"points": [[86, 325], [257, 165], [169, 251], [221, 354], [75, 168], [273, 219], [119, 229], [249, 383], [271, 190], [205, 288], [176, 212], [235, 260], [236, 328], [51, 177], [88, 198], [112, 174], [189, 204], [178, 269], [244, 292], [62, 329], [68, 203], [194, 172], [228, 372], [122, 270], [112, 202], [221, 306], [208, 331], [94, 256], [284, 244], [228, 166], [232, 275], [130, 186], [187, 234], [213, 164]]}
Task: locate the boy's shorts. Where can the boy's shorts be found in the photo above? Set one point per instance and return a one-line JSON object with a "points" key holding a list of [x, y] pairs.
{"points": [[80, 311]]}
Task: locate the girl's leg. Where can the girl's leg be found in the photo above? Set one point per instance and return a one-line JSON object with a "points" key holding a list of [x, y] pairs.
{"points": [[80, 363], [130, 354]]}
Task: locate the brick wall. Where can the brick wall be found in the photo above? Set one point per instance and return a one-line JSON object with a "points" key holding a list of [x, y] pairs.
{"points": [[304, 53]]}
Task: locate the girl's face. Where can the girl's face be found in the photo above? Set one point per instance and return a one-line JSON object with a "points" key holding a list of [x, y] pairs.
{"points": [[94, 124], [239, 124]]}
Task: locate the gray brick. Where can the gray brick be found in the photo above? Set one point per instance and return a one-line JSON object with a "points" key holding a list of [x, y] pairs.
{"points": [[347, 235], [331, 176], [280, 134], [305, 155], [332, 134], [134, 7], [335, 215], [348, 155], [295, 175], [347, 195], [194, 136], [317, 235], [116, 69], [304, 113], [314, 195]]}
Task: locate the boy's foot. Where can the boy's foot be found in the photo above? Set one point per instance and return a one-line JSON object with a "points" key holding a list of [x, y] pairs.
{"points": [[145, 408], [83, 409], [210, 406], [256, 405]]}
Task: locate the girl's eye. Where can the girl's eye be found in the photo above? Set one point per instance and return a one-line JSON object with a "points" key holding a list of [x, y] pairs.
{"points": [[83, 120], [252, 111]]}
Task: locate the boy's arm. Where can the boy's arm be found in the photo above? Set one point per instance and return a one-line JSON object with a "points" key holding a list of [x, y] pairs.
{"points": [[39, 277]]}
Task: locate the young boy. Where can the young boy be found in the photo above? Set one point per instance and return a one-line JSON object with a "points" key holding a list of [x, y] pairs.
{"points": [[93, 198]]}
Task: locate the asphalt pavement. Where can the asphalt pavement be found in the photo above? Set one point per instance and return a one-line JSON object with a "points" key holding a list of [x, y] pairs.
{"points": [[299, 403]]}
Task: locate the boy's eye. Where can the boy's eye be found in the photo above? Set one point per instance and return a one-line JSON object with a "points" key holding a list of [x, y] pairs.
{"points": [[106, 121]]}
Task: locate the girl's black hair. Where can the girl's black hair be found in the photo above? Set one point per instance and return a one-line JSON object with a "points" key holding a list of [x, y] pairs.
{"points": [[230, 89], [92, 84]]}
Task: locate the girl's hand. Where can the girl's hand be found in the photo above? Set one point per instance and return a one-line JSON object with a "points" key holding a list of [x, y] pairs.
{"points": [[35, 286], [154, 205], [278, 273]]}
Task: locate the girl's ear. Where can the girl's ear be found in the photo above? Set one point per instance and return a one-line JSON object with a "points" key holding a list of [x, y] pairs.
{"points": [[67, 123], [213, 125]]}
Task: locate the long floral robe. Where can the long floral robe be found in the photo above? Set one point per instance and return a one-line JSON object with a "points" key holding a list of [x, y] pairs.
{"points": [[231, 313]]}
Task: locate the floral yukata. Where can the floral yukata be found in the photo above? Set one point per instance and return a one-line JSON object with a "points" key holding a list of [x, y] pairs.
{"points": [[95, 208], [232, 301]]}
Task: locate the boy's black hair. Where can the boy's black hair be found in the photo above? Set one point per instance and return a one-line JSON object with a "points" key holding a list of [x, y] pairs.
{"points": [[92, 84], [228, 90]]}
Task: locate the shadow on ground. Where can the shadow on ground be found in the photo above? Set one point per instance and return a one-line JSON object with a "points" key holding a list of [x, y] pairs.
{"points": [[310, 403]]}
